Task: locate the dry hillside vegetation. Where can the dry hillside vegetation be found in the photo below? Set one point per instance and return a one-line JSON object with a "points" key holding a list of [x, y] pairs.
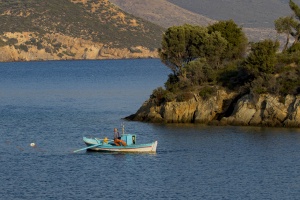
{"points": [[73, 29]]}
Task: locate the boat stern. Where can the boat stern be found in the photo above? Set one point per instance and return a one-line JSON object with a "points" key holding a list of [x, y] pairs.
{"points": [[154, 146]]}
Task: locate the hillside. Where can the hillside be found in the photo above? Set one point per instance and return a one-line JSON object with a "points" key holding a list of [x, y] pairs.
{"points": [[168, 13], [73, 29], [162, 12]]}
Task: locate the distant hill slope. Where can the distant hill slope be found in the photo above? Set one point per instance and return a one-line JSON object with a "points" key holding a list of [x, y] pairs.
{"points": [[250, 14], [166, 13], [55, 26], [96, 20], [161, 12]]}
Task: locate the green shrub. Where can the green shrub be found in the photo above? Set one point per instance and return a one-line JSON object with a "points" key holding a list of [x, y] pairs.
{"points": [[206, 92], [60, 55], [258, 86], [39, 45], [135, 50], [262, 58], [48, 50], [196, 71], [287, 58], [289, 82], [229, 76], [57, 45], [169, 96], [236, 38], [184, 96], [171, 84], [160, 95], [69, 53], [12, 41], [23, 47], [266, 83], [294, 48], [33, 40]]}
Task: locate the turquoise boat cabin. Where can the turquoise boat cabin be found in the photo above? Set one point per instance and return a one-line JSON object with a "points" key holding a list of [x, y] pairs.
{"points": [[129, 139]]}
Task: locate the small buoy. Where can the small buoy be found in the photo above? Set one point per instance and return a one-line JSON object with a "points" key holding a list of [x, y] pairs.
{"points": [[32, 144]]}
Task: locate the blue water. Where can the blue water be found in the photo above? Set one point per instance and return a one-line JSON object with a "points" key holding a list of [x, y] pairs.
{"points": [[54, 104]]}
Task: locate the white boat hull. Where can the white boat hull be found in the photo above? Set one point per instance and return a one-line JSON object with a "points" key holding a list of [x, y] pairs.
{"points": [[110, 147]]}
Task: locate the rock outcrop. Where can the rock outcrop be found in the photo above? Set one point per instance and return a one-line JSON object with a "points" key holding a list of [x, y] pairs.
{"points": [[225, 108]]}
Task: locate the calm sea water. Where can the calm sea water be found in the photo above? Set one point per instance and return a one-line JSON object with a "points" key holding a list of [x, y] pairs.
{"points": [[54, 104]]}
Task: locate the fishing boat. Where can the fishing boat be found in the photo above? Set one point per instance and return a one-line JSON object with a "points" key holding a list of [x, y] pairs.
{"points": [[106, 145]]}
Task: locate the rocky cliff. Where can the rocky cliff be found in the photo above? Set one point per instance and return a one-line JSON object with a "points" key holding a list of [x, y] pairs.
{"points": [[226, 108]]}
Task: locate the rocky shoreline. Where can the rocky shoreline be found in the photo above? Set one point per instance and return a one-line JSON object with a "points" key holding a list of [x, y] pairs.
{"points": [[225, 108]]}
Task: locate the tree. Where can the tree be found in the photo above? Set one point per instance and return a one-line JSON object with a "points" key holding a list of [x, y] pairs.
{"points": [[236, 38], [180, 45], [262, 57], [215, 48], [296, 10], [183, 44], [285, 25], [290, 25]]}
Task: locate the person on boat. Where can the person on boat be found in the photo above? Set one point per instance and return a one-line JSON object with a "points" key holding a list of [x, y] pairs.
{"points": [[117, 138]]}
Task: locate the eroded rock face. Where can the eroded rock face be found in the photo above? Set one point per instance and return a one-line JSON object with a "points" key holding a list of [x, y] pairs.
{"points": [[267, 110], [225, 109], [196, 110]]}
